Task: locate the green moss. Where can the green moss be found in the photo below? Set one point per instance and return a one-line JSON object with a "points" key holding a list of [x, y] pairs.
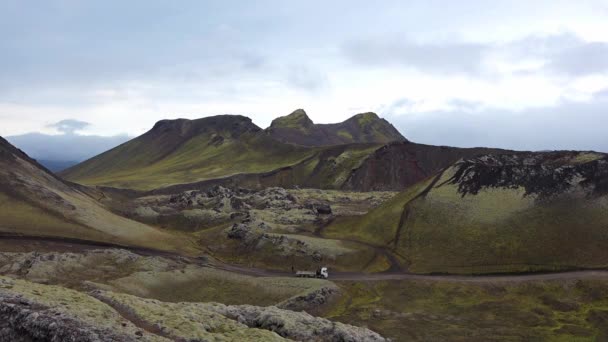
{"points": [[191, 320], [459, 311], [365, 119], [296, 120], [346, 135], [500, 230], [379, 226]]}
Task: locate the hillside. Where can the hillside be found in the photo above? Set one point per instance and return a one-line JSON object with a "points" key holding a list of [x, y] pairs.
{"points": [[497, 213], [399, 165], [183, 151], [298, 128], [177, 155], [35, 202]]}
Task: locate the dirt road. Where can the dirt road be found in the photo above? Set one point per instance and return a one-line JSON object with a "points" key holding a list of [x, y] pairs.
{"points": [[17, 243], [354, 276]]}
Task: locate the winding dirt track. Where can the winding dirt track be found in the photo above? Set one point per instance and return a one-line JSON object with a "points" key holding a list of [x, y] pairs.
{"points": [[72, 245], [354, 276]]}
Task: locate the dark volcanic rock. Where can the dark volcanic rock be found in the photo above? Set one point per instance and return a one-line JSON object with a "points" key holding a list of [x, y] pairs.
{"points": [[398, 165], [544, 173], [321, 208]]}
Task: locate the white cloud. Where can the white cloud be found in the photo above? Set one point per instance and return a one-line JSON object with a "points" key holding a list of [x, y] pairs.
{"points": [[124, 71]]}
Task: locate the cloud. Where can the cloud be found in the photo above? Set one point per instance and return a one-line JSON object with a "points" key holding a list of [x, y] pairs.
{"points": [[428, 57], [601, 95], [567, 125], [562, 53], [307, 78], [69, 126], [585, 58]]}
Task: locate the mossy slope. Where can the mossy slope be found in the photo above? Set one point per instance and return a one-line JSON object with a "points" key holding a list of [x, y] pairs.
{"points": [[497, 213], [33, 201]]}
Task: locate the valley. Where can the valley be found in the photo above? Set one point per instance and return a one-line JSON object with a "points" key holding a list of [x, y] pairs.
{"points": [[193, 231]]}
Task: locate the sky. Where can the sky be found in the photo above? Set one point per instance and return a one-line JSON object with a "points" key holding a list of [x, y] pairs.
{"points": [[528, 75]]}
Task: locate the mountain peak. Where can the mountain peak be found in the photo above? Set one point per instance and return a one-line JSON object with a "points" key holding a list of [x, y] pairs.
{"points": [[232, 124], [365, 119], [297, 119], [297, 128]]}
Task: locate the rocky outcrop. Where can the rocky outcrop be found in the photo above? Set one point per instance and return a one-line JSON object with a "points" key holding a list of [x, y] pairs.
{"points": [[266, 322], [210, 207], [34, 312], [22, 320], [298, 326], [311, 300], [74, 268], [248, 231], [544, 174]]}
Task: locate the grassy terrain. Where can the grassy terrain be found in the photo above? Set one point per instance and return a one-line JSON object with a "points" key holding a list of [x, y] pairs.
{"points": [[377, 227], [35, 202], [501, 230], [210, 285], [20, 217], [213, 154], [494, 230], [575, 310], [196, 159], [295, 250]]}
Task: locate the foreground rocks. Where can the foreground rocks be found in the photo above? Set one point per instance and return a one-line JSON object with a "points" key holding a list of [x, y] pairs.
{"points": [[72, 268], [35, 312]]}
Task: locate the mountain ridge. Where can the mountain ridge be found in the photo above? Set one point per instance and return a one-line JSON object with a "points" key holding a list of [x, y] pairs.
{"points": [[298, 128], [230, 149]]}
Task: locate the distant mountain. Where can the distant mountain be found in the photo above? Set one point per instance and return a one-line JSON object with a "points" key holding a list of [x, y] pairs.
{"points": [[232, 151], [35, 202], [227, 149], [57, 165], [510, 212], [55, 151], [182, 151], [298, 128]]}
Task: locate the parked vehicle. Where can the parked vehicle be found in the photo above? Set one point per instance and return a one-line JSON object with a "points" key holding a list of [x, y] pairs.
{"points": [[321, 272]]}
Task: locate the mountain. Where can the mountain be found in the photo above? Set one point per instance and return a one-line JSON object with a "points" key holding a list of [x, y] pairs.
{"points": [[230, 150], [183, 151], [35, 202], [297, 128], [64, 147], [57, 165], [512, 212]]}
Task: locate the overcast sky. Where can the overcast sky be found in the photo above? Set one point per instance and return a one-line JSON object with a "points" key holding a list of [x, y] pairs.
{"points": [[515, 74]]}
